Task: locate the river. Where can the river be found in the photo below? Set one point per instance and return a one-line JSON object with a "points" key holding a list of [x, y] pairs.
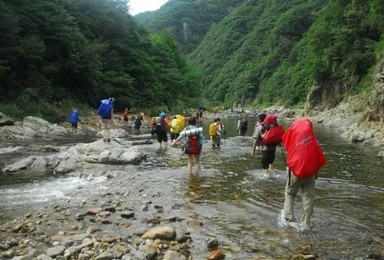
{"points": [[236, 202]]}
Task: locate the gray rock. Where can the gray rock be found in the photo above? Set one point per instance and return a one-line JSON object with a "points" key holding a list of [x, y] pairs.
{"points": [[161, 233], [107, 255], [172, 255], [55, 251], [381, 155], [81, 155], [24, 257], [5, 120], [43, 257], [127, 214]]}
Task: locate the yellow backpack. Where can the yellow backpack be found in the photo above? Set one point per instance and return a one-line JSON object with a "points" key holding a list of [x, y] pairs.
{"points": [[182, 122], [213, 129]]}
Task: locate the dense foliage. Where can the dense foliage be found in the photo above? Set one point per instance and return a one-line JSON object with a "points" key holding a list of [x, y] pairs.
{"points": [[292, 51], [55, 55], [188, 20]]}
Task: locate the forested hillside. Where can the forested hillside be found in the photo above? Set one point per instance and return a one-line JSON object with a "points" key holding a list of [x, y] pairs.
{"points": [[188, 20], [57, 55], [289, 52]]}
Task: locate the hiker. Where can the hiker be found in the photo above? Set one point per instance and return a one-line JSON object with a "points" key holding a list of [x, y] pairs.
{"points": [[74, 119], [161, 130], [268, 149], [106, 116], [242, 125], [200, 108], [126, 115], [194, 143], [137, 123], [215, 132], [304, 160], [176, 125]]}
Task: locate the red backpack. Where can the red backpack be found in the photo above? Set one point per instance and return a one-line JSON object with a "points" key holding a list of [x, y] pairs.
{"points": [[273, 131], [305, 157], [193, 145]]}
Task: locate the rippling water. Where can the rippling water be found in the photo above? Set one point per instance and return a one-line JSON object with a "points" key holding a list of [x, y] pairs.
{"points": [[240, 205]]}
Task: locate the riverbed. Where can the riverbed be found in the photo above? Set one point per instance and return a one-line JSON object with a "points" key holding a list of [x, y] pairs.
{"points": [[231, 199]]}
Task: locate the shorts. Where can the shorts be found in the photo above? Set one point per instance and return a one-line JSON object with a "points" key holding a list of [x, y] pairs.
{"points": [[126, 119], [162, 137], [267, 158], [74, 125]]}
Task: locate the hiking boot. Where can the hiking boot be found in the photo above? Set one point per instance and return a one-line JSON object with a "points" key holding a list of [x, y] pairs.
{"points": [[108, 140]]}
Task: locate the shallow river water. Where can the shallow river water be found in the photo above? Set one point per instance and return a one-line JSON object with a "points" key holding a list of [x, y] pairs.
{"points": [[238, 204]]}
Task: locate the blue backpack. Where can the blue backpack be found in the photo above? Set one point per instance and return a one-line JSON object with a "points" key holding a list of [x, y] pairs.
{"points": [[105, 109], [74, 117]]}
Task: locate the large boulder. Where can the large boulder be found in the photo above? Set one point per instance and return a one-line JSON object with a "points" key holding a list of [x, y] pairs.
{"points": [[80, 156], [115, 152], [31, 127], [5, 120]]}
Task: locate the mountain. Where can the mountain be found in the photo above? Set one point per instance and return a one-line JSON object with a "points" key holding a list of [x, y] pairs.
{"points": [[188, 20], [292, 52]]}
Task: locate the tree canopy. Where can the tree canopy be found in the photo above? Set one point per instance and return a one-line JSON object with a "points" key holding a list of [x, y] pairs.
{"points": [[57, 54]]}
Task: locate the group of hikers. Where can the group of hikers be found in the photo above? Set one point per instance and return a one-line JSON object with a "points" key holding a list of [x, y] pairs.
{"points": [[304, 155]]}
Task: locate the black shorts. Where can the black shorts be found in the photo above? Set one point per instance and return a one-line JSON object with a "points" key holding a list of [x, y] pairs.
{"points": [[162, 137], [74, 125], [267, 157], [126, 119]]}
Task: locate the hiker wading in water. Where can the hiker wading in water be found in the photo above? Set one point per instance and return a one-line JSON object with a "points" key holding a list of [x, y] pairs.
{"points": [[194, 143]]}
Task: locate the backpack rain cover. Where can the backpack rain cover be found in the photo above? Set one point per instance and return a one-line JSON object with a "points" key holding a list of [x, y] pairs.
{"points": [[305, 157]]}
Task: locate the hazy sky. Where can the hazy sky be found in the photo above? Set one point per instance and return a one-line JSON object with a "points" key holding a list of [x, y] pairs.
{"points": [[139, 6]]}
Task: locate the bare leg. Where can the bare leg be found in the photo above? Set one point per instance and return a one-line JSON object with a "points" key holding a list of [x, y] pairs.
{"points": [[190, 162]]}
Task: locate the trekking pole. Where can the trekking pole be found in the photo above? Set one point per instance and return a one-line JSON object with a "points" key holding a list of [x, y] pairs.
{"points": [[285, 162]]}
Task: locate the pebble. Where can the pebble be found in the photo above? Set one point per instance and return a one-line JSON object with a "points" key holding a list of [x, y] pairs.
{"points": [[216, 255]]}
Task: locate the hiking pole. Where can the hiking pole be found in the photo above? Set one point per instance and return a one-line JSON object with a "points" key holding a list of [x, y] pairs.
{"points": [[285, 162]]}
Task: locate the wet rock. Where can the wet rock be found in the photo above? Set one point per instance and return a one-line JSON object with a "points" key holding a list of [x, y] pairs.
{"points": [[31, 127], [358, 136], [168, 233], [194, 223], [43, 257], [216, 255], [25, 257], [55, 251], [142, 142], [5, 120], [110, 208], [94, 211], [127, 214], [8, 254], [4, 246], [92, 230], [172, 255], [81, 155], [184, 238], [213, 244], [303, 257], [107, 255]]}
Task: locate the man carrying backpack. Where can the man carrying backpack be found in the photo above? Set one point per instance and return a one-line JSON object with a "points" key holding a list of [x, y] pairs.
{"points": [[268, 149], [161, 130], [242, 125], [106, 114], [215, 132], [194, 143], [304, 160]]}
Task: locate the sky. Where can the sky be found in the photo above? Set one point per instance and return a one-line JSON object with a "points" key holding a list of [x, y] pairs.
{"points": [[139, 6]]}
